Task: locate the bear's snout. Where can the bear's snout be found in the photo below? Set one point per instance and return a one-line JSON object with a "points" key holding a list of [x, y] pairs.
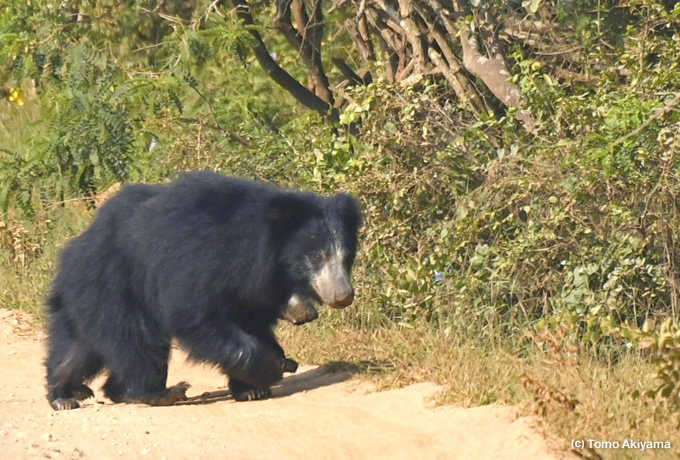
{"points": [[343, 299], [334, 289]]}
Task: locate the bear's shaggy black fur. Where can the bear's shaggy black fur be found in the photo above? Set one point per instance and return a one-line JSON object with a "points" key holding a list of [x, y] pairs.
{"points": [[210, 260]]}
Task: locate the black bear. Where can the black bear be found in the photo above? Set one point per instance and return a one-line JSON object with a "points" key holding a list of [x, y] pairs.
{"points": [[210, 260]]}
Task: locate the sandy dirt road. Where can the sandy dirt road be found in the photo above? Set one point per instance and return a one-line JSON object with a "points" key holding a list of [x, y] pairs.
{"points": [[313, 415]]}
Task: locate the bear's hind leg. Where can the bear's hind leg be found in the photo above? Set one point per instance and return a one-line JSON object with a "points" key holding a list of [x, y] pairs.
{"points": [[139, 375], [117, 392], [59, 392], [85, 368], [61, 340], [165, 397], [66, 383], [69, 365], [113, 388]]}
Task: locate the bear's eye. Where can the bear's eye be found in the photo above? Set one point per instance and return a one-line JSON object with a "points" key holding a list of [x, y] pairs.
{"points": [[318, 258]]}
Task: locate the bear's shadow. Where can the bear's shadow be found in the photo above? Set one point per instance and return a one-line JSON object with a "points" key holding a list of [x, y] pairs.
{"points": [[311, 379]]}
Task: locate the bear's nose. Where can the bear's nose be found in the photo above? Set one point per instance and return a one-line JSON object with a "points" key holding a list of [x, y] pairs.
{"points": [[343, 299]]}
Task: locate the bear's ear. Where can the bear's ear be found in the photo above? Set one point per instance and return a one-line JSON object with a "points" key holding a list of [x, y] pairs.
{"points": [[348, 209], [288, 212]]}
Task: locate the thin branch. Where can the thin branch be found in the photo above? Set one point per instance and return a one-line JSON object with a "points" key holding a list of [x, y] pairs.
{"points": [[307, 45], [233, 136], [366, 35], [365, 47], [658, 113], [386, 42], [347, 72], [413, 35], [450, 67], [280, 76]]}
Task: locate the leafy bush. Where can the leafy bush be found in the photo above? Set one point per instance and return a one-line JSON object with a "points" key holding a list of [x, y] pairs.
{"points": [[478, 233], [471, 222]]}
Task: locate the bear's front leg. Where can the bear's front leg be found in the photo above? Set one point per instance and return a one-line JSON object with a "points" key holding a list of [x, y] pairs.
{"points": [[268, 338], [240, 354], [241, 391], [289, 365]]}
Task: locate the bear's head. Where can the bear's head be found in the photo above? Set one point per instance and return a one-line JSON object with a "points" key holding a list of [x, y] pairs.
{"points": [[317, 237]]}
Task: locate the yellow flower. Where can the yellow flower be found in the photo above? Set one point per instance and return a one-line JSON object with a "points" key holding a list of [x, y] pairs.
{"points": [[15, 95]]}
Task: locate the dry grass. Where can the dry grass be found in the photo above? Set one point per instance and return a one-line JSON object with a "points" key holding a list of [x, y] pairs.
{"points": [[28, 256], [576, 395], [396, 357]]}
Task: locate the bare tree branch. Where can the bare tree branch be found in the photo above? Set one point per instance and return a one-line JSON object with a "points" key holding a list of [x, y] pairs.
{"points": [[417, 38], [280, 76], [492, 71], [449, 67], [365, 47], [347, 72], [366, 34], [413, 35], [387, 44], [658, 113], [307, 43]]}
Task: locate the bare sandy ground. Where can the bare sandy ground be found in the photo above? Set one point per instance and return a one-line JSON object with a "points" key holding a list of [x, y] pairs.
{"points": [[314, 414]]}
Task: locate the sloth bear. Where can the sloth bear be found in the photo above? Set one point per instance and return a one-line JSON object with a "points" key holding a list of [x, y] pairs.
{"points": [[210, 260]]}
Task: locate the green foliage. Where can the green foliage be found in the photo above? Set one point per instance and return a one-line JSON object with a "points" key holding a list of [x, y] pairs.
{"points": [[93, 135], [664, 343], [108, 112], [478, 234], [472, 224]]}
